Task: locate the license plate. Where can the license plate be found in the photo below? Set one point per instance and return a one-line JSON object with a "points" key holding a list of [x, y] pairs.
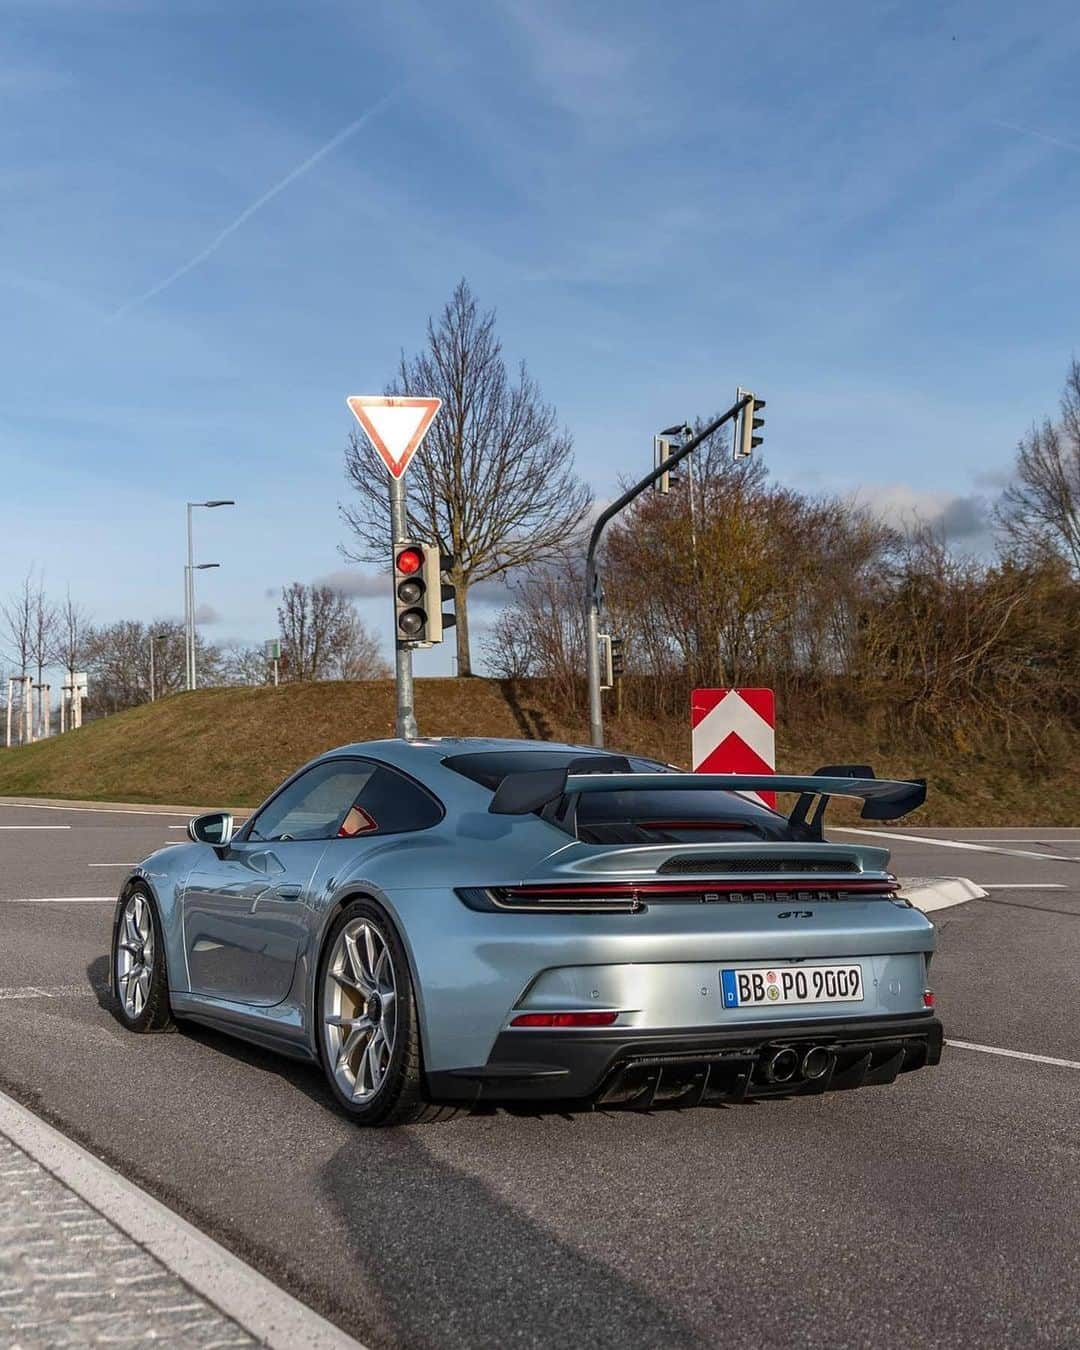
{"points": [[781, 985]]}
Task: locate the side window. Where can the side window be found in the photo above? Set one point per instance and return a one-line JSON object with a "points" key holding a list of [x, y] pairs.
{"points": [[316, 804], [389, 803]]}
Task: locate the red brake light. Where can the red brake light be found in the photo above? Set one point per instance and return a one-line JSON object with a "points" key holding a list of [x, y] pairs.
{"points": [[409, 560], [565, 1019], [928, 1000]]}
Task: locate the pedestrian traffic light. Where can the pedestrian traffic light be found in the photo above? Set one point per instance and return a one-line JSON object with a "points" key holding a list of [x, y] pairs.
{"points": [[746, 442], [618, 661], [410, 608]]}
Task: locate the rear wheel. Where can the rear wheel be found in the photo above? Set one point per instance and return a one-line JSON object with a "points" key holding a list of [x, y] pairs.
{"points": [[369, 1036], [140, 982]]}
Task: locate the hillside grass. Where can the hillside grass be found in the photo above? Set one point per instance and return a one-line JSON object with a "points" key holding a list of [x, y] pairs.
{"points": [[232, 746]]}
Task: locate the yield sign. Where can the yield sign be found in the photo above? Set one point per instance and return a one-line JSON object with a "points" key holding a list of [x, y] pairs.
{"points": [[394, 426]]}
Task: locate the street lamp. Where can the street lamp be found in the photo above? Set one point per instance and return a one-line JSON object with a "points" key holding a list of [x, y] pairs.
{"points": [[189, 587], [154, 637]]}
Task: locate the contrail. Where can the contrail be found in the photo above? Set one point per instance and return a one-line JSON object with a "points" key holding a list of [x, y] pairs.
{"points": [[1039, 135], [257, 205]]}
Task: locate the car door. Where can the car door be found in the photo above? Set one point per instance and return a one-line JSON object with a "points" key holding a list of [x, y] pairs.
{"points": [[246, 907]]}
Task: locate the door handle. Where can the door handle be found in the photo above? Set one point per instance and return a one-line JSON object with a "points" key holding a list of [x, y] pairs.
{"points": [[286, 892]]}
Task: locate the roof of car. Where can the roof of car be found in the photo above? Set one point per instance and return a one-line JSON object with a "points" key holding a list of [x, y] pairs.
{"points": [[401, 751]]}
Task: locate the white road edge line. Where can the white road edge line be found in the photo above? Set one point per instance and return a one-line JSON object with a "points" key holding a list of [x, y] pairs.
{"points": [[1015, 1054], [269, 1314], [59, 900], [957, 843], [35, 827], [100, 810], [111, 864]]}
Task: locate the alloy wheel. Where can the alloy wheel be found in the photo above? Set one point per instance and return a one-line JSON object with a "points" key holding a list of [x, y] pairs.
{"points": [[135, 954], [360, 1010]]}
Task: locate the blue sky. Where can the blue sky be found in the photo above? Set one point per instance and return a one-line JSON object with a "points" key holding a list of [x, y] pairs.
{"points": [[866, 212]]}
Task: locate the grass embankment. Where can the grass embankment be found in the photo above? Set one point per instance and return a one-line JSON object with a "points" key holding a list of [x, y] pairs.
{"points": [[231, 746]]}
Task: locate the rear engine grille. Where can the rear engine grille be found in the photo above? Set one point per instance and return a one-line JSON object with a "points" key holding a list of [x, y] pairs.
{"points": [[630, 897], [765, 865]]}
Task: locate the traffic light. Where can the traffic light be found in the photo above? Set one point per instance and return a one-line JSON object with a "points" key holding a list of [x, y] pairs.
{"points": [[618, 657], [436, 591], [607, 679], [747, 442], [663, 448], [410, 588]]}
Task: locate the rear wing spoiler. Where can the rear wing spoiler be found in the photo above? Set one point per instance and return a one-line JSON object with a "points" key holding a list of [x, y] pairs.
{"points": [[883, 798]]}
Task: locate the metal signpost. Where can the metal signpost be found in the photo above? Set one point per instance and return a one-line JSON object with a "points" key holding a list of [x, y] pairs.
{"points": [[662, 470], [395, 427]]}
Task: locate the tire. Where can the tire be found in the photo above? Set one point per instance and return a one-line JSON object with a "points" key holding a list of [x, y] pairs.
{"points": [[368, 1029], [140, 982]]}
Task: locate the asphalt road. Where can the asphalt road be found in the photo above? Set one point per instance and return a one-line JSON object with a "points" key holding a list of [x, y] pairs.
{"points": [[941, 1211]]}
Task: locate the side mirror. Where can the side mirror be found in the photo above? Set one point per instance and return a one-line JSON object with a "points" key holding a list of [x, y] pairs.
{"points": [[215, 828]]}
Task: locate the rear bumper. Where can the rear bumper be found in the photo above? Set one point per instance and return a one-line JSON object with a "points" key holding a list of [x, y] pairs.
{"points": [[641, 1069]]}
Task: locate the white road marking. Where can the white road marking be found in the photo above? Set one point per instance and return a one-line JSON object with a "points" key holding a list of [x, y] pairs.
{"points": [[58, 900], [49, 991], [957, 843], [268, 1314], [1025, 886], [1016, 1054], [111, 864], [101, 810], [35, 827]]}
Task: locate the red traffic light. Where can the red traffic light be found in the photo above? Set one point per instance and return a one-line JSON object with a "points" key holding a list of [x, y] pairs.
{"points": [[409, 560]]}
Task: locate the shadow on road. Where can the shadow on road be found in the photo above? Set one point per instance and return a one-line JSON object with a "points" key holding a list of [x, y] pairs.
{"points": [[449, 1261]]}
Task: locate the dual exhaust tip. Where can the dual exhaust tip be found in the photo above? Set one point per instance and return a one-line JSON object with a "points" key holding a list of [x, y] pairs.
{"points": [[783, 1065]]}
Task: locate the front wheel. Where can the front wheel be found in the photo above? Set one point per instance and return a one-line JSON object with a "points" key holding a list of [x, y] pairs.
{"points": [[140, 982], [369, 1036]]}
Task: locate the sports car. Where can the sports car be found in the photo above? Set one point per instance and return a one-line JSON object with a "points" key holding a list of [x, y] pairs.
{"points": [[452, 923]]}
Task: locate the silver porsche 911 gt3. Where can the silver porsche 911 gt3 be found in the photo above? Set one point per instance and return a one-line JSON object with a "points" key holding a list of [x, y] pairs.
{"points": [[443, 923]]}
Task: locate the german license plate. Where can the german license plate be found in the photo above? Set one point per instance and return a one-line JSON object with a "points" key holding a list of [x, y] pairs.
{"points": [[783, 985]]}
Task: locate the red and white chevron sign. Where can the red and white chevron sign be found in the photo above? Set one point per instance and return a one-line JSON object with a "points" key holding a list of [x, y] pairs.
{"points": [[733, 731]]}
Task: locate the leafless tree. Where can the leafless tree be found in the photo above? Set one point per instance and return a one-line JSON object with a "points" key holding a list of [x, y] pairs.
{"points": [[493, 483], [1040, 510], [243, 665], [69, 639], [18, 617], [117, 660], [323, 637]]}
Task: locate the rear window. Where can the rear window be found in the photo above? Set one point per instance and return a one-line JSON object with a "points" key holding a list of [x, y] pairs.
{"points": [[675, 817], [490, 767]]}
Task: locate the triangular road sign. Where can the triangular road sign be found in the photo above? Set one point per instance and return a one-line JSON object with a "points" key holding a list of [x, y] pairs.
{"points": [[394, 426]]}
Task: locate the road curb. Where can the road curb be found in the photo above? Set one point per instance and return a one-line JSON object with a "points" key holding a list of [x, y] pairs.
{"points": [[268, 1313], [930, 893]]}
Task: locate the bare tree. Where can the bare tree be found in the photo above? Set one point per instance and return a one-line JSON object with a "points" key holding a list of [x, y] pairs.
{"points": [[18, 616], [42, 633], [117, 660], [69, 638], [493, 484], [1040, 510], [323, 637]]}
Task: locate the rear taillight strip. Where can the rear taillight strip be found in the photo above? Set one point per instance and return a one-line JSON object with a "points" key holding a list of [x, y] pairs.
{"points": [[628, 897]]}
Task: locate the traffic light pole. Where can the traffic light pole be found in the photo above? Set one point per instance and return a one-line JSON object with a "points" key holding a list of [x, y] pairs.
{"points": [[592, 599], [405, 719]]}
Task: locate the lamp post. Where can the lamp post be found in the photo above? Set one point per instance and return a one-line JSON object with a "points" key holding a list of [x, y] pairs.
{"points": [[189, 586], [154, 637]]}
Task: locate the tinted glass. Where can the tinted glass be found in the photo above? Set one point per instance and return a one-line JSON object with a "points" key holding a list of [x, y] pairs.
{"points": [[314, 806], [675, 817], [394, 803]]}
